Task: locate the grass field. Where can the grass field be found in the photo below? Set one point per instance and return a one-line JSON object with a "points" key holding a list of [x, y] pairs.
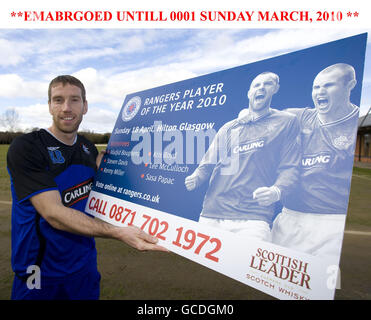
{"points": [[129, 274], [359, 210]]}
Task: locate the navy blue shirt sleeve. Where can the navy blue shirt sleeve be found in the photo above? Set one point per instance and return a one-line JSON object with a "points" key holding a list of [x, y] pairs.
{"points": [[288, 169], [28, 169]]}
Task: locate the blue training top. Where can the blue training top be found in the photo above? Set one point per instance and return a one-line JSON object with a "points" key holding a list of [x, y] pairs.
{"points": [[38, 162]]}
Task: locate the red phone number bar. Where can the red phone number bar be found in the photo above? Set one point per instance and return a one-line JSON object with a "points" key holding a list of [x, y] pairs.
{"points": [[185, 239]]}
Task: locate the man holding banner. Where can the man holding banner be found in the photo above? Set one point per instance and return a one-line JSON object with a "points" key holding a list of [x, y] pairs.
{"points": [[251, 163], [313, 217], [51, 175]]}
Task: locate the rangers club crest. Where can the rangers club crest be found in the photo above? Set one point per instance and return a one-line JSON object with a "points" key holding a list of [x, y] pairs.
{"points": [[85, 148], [342, 142], [131, 108]]}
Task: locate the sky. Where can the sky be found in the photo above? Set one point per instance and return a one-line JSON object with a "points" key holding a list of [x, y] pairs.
{"points": [[115, 62]]}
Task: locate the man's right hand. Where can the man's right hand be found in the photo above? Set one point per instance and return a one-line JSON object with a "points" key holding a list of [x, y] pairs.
{"points": [[138, 239], [49, 205]]}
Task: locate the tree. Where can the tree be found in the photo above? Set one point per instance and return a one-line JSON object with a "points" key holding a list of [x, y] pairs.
{"points": [[9, 119]]}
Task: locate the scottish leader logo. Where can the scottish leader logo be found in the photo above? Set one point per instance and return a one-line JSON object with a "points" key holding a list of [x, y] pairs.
{"points": [[131, 108]]}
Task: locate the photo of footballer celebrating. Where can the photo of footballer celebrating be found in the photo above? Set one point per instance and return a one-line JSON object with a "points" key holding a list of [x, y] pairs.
{"points": [[268, 157], [313, 217], [309, 172]]}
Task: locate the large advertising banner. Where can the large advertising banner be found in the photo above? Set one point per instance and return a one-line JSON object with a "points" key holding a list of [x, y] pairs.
{"points": [[246, 171]]}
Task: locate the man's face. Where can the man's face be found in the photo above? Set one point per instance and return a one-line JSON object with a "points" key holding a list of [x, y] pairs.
{"points": [[329, 91], [67, 107], [262, 88]]}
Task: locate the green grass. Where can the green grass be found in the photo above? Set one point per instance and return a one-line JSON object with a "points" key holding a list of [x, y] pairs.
{"points": [[359, 213], [362, 171], [100, 147], [4, 176]]}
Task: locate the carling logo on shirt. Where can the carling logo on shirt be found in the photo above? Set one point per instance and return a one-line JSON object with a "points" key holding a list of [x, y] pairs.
{"points": [[55, 155], [309, 161], [248, 147], [77, 193]]}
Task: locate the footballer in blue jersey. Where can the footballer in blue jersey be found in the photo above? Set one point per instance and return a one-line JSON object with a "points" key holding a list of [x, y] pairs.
{"points": [[252, 163], [38, 162], [51, 173], [313, 216]]}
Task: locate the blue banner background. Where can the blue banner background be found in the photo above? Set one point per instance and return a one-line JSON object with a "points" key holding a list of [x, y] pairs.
{"points": [[296, 70]]}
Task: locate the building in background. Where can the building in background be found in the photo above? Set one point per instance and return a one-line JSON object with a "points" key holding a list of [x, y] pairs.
{"points": [[363, 146]]}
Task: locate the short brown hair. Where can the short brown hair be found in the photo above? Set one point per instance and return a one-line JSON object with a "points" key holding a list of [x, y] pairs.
{"points": [[64, 79]]}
